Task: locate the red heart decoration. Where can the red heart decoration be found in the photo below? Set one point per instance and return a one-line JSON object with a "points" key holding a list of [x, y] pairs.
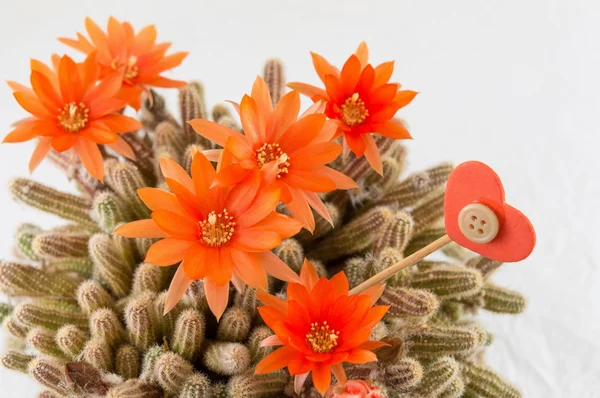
{"points": [[475, 182]]}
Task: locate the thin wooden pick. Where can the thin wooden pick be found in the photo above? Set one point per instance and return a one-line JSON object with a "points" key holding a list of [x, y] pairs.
{"points": [[407, 262]]}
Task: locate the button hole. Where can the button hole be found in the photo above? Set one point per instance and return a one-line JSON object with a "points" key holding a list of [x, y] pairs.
{"points": [[473, 218], [480, 231], [471, 226], [482, 222]]}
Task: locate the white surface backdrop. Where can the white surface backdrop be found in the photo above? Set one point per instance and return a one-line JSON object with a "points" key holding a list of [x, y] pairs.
{"points": [[512, 83]]}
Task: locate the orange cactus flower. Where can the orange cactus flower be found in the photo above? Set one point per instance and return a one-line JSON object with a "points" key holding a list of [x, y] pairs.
{"points": [[218, 234], [143, 59], [362, 99], [320, 326], [290, 152], [354, 389], [70, 108]]}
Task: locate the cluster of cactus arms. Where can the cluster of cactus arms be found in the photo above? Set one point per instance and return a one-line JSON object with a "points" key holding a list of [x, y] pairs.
{"points": [[85, 313]]}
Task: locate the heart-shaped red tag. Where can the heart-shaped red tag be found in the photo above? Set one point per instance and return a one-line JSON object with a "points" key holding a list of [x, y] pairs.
{"points": [[477, 217]]}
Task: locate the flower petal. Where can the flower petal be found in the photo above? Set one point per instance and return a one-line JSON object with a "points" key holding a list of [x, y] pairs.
{"points": [[91, 158], [394, 129], [272, 301], [69, 80], [145, 39], [359, 356], [177, 288], [172, 169], [30, 102], [404, 98], [383, 72], [45, 92], [317, 205], [372, 154], [176, 225], [313, 156], [168, 251], [217, 297], [253, 123], [374, 292], [106, 88], [341, 180], [285, 113], [255, 240], [375, 315], [300, 209], [20, 134], [221, 273], [270, 341], [339, 373], [203, 174], [357, 143], [321, 375], [308, 275], [373, 345], [260, 94], [97, 36], [230, 175], [299, 381], [198, 261], [40, 152], [282, 224], [239, 146], [362, 53], [263, 205], [350, 74], [242, 195], [309, 180], [141, 229], [340, 284], [276, 360], [249, 269], [121, 147], [302, 132], [300, 365], [277, 268], [307, 89], [323, 67], [157, 199], [118, 123], [97, 133]]}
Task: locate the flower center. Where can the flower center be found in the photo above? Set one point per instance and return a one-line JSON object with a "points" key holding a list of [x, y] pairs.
{"points": [[272, 152], [354, 111], [321, 338], [131, 68], [73, 117], [217, 229]]}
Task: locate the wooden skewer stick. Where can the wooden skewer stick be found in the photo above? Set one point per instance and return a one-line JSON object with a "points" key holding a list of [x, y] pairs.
{"points": [[407, 262]]}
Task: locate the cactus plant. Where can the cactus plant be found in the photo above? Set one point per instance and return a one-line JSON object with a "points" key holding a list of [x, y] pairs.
{"points": [[83, 294]]}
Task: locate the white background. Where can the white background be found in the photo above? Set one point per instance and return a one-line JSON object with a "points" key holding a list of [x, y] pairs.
{"points": [[512, 83]]}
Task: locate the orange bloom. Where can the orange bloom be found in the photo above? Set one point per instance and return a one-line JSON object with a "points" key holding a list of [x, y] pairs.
{"points": [[362, 99], [320, 326], [354, 389], [290, 152], [70, 108], [143, 59], [218, 234]]}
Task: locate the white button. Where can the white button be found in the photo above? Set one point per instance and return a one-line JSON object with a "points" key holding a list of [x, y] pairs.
{"points": [[478, 223]]}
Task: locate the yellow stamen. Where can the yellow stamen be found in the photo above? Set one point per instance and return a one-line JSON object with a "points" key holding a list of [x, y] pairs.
{"points": [[322, 338], [272, 152], [217, 229], [353, 111], [73, 117], [131, 68]]}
